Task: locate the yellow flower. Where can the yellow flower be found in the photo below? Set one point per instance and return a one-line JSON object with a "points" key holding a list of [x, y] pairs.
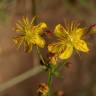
{"points": [[29, 34], [43, 90], [53, 58], [69, 38]]}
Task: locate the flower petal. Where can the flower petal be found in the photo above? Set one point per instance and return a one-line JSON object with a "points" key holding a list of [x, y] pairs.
{"points": [[28, 46], [59, 30], [52, 48], [55, 47], [78, 33], [67, 52], [81, 45], [39, 28], [42, 25], [18, 41], [53, 60], [25, 20], [39, 41]]}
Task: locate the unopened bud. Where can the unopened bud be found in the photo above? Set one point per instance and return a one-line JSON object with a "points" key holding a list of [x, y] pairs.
{"points": [[92, 28]]}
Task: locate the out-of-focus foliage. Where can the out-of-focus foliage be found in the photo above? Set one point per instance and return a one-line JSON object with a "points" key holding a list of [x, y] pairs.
{"points": [[4, 9], [83, 2]]}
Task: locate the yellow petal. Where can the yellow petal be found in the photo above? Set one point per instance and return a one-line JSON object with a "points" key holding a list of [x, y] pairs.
{"points": [[42, 25], [18, 41], [39, 28], [55, 47], [81, 45], [28, 47], [39, 41], [53, 60], [67, 52], [52, 48], [33, 20], [79, 33], [18, 27], [59, 30], [25, 20]]}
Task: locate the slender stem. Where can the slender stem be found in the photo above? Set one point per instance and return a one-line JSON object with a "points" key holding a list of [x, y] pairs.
{"points": [[40, 55], [49, 72], [49, 81], [20, 78]]}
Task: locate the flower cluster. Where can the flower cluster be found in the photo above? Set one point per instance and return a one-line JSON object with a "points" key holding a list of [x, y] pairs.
{"points": [[69, 38]]}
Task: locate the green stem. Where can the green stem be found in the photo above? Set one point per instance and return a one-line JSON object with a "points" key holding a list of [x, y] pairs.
{"points": [[40, 55], [60, 66], [49, 81], [49, 72]]}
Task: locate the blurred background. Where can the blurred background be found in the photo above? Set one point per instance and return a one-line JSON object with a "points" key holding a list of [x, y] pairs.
{"points": [[78, 79]]}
